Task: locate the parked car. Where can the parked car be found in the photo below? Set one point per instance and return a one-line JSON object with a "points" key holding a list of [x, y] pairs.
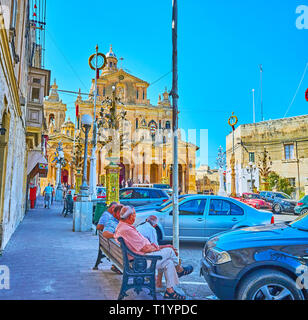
{"points": [[281, 202], [142, 196], [302, 206], [258, 263], [165, 187], [202, 216], [154, 206], [255, 200]]}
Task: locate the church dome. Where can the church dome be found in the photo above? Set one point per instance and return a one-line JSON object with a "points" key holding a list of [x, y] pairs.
{"points": [[112, 63], [111, 54], [68, 124]]}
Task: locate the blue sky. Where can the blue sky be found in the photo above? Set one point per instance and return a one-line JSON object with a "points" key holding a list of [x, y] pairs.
{"points": [[221, 45]]}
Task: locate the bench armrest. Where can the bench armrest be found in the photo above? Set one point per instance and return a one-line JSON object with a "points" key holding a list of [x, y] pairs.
{"points": [[140, 261]]}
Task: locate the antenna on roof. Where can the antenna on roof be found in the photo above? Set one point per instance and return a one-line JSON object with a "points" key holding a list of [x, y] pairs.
{"points": [[261, 83]]}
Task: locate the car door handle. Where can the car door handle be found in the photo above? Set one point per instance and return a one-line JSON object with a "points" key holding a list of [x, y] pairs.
{"points": [[200, 219], [234, 219]]}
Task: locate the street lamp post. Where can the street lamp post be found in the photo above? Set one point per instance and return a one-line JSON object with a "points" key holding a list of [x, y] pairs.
{"points": [[86, 123], [251, 169], [111, 120], [83, 208], [60, 163]]}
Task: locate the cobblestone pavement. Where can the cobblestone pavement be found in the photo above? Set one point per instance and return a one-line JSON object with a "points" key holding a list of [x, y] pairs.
{"points": [[49, 261]]}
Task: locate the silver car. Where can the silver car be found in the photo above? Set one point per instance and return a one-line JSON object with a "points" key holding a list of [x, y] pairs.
{"points": [[202, 216]]}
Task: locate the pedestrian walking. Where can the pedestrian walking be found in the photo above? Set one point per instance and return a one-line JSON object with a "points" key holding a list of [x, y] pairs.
{"points": [[32, 196], [52, 193], [47, 196]]}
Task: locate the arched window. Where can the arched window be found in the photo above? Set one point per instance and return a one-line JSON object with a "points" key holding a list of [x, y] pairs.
{"points": [[137, 123], [143, 94], [164, 139], [104, 91], [168, 126], [137, 94], [51, 119]]}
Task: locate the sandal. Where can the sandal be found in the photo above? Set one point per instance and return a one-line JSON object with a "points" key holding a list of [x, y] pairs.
{"points": [[115, 269], [186, 271], [174, 295]]}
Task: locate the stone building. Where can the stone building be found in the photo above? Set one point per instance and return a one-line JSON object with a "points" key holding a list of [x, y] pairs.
{"points": [[285, 140], [207, 180], [146, 155], [21, 117]]}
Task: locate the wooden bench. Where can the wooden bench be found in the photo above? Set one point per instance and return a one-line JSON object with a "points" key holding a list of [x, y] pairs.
{"points": [[136, 272]]}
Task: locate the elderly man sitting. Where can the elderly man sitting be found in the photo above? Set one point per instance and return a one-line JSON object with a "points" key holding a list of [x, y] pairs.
{"points": [[111, 224], [108, 214], [148, 230], [108, 223], [140, 245]]}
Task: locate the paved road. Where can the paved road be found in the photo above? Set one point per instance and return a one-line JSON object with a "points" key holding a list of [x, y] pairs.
{"points": [[191, 253], [284, 217]]}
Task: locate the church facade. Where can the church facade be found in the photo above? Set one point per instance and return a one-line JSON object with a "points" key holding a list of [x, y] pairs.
{"points": [[145, 155]]}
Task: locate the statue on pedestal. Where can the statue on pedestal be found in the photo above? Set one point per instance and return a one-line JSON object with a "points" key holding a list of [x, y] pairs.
{"points": [[221, 163]]}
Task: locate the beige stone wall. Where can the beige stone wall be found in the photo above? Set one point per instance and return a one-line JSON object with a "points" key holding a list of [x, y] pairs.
{"points": [[274, 135], [13, 85], [207, 179]]}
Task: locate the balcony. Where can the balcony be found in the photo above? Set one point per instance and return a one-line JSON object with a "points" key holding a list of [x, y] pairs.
{"points": [[39, 82]]}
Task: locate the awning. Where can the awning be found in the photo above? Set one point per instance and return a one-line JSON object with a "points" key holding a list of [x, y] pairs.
{"points": [[36, 162]]}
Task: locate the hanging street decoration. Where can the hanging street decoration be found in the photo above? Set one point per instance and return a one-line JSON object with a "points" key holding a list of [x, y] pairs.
{"points": [[306, 95], [101, 62], [233, 120]]}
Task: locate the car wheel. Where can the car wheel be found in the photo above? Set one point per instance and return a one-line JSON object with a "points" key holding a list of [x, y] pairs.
{"points": [[277, 208], [269, 285], [159, 235], [304, 211]]}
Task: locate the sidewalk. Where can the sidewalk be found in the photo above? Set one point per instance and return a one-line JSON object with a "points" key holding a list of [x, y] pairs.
{"points": [[49, 261]]}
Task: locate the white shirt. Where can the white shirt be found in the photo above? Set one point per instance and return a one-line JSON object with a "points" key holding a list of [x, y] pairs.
{"points": [[148, 232]]}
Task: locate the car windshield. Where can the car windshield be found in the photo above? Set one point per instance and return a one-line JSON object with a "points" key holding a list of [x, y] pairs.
{"points": [[300, 223], [168, 205], [252, 196], [162, 186], [282, 195]]}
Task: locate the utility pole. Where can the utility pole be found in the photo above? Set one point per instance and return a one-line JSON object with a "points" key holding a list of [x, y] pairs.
{"points": [[174, 94], [253, 106]]}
